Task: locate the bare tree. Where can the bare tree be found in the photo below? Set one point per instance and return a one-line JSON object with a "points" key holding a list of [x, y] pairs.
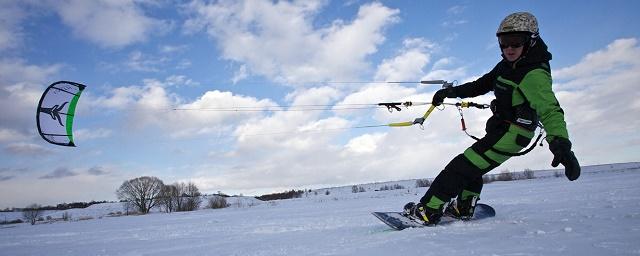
{"points": [[141, 192], [168, 197], [529, 174], [192, 197], [32, 213], [422, 183], [179, 199]]}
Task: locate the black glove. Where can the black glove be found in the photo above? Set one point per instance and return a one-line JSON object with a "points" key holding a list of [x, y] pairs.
{"points": [[441, 94], [562, 154]]}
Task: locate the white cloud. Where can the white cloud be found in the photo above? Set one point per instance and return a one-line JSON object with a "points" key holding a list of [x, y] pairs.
{"points": [[367, 143], [10, 30], [139, 61], [240, 74], [21, 85], [616, 57], [7, 135], [409, 64], [600, 99], [291, 121], [108, 23], [88, 134], [279, 40]]}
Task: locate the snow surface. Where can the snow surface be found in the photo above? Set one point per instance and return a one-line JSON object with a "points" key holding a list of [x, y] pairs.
{"points": [[599, 214]]}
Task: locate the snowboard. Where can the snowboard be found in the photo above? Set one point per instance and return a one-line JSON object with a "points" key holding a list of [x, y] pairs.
{"points": [[398, 221]]}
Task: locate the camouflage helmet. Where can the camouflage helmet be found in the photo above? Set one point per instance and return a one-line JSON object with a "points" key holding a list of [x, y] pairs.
{"points": [[519, 22]]}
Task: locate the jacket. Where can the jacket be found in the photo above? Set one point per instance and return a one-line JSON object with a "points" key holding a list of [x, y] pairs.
{"points": [[523, 91]]}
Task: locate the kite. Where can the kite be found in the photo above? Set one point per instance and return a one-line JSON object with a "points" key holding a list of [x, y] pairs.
{"points": [[56, 111]]}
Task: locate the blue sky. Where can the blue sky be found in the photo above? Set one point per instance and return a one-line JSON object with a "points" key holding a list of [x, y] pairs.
{"points": [[141, 59]]}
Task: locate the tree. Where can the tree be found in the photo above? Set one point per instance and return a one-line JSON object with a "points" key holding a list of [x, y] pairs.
{"points": [[529, 174], [192, 197], [168, 197], [142, 192], [422, 183], [505, 175], [32, 213]]}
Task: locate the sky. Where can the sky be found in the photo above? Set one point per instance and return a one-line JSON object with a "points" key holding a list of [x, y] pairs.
{"points": [[141, 60]]}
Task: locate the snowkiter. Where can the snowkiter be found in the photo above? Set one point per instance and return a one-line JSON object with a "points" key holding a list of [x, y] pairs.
{"points": [[521, 82]]}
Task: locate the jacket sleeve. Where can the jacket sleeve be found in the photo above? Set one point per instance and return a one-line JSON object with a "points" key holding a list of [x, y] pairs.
{"points": [[536, 87], [478, 87]]}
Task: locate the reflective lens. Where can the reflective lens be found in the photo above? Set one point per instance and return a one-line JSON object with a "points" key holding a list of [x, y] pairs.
{"points": [[512, 40]]}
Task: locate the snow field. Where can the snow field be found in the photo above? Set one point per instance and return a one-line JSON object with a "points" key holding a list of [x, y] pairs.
{"points": [[599, 214]]}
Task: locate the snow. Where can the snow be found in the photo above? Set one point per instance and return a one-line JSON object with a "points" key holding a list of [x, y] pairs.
{"points": [[599, 214]]}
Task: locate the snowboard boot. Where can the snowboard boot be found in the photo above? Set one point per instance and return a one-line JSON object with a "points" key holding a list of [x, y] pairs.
{"points": [[422, 213], [462, 208]]}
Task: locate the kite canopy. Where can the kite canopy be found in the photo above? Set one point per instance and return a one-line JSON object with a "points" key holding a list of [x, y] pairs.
{"points": [[56, 111]]}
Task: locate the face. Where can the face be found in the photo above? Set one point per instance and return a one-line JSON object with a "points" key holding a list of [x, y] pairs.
{"points": [[512, 45], [512, 54]]}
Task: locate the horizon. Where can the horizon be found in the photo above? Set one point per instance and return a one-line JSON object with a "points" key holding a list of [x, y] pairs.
{"points": [[326, 188]]}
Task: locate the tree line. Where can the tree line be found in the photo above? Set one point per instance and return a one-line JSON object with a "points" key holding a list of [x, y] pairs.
{"points": [[144, 193]]}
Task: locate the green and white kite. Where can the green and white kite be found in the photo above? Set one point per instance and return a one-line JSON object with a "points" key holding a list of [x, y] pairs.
{"points": [[56, 111]]}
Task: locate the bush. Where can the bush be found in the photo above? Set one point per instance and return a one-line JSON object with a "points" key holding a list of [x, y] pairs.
{"points": [[528, 174], [394, 187], [217, 202], [422, 183], [488, 178], [16, 221], [283, 195], [505, 176], [66, 216], [357, 189], [32, 213]]}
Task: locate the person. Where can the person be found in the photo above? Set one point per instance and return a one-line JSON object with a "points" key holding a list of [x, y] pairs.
{"points": [[521, 82]]}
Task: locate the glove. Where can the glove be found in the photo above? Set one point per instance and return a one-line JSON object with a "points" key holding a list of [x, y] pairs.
{"points": [[441, 94], [562, 154]]}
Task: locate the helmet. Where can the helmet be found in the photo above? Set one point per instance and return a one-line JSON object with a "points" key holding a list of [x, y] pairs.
{"points": [[519, 22]]}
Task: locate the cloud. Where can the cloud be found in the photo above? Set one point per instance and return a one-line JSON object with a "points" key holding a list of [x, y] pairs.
{"points": [[599, 96], [97, 171], [11, 33], [21, 85], [620, 55], [456, 9], [89, 134], [7, 135], [292, 121], [173, 49], [59, 174], [367, 143], [279, 40], [455, 16], [154, 103], [409, 64], [145, 63], [21, 148], [5, 178], [109, 23]]}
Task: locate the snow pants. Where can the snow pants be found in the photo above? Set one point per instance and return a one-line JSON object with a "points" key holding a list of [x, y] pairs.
{"points": [[462, 177]]}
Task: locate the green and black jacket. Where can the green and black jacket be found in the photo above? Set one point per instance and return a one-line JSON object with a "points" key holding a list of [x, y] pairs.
{"points": [[523, 92]]}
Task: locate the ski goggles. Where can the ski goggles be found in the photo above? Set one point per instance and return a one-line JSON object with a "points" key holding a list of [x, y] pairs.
{"points": [[512, 40]]}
